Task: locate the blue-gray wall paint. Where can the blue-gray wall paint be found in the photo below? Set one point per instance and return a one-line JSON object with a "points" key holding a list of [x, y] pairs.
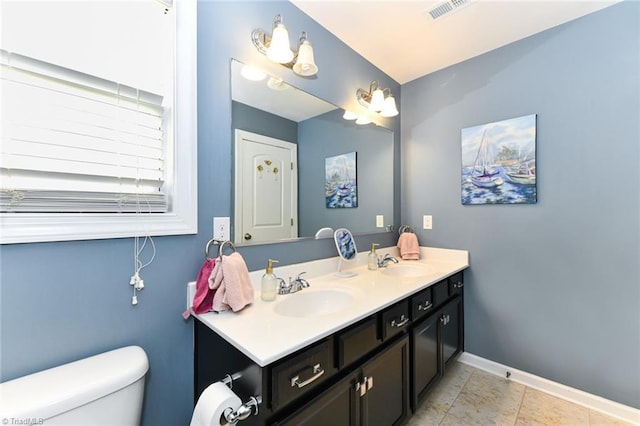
{"points": [[245, 117], [329, 135], [554, 288], [68, 300]]}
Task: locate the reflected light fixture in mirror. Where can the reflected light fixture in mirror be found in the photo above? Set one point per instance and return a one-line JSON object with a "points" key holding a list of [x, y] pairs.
{"points": [[375, 100], [276, 47], [360, 119]]}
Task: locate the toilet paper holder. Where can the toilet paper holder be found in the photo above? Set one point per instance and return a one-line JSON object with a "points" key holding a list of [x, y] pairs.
{"points": [[245, 410]]}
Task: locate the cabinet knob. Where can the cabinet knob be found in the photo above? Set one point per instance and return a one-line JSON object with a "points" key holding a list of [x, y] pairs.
{"points": [[247, 236]]}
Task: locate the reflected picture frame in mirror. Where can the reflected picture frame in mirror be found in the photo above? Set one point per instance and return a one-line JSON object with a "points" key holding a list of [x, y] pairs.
{"points": [[317, 136]]}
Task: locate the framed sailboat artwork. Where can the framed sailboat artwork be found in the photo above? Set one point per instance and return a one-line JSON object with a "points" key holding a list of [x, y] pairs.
{"points": [[341, 184], [499, 162]]}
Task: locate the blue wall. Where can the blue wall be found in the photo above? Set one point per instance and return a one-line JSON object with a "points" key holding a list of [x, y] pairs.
{"points": [[68, 300], [245, 117], [554, 288]]}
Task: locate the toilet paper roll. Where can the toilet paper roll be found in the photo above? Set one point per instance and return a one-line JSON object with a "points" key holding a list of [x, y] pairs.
{"points": [[210, 407]]}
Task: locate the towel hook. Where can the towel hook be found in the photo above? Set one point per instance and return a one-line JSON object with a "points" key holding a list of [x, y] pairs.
{"points": [[206, 250], [405, 228], [221, 249]]}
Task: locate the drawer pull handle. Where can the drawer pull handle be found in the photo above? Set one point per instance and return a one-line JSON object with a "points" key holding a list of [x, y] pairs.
{"points": [[403, 321], [459, 284], [317, 372], [427, 305]]}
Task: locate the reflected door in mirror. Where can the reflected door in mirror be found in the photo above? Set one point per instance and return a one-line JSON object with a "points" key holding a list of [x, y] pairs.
{"points": [[267, 179]]}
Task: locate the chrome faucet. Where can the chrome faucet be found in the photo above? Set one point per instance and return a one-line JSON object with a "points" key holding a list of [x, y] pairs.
{"points": [[382, 263], [293, 286]]}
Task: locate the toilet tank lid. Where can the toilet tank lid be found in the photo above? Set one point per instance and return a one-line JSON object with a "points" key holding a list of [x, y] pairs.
{"points": [[51, 392]]}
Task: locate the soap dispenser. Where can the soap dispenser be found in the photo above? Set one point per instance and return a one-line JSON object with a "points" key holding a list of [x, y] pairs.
{"points": [[269, 287], [372, 259]]}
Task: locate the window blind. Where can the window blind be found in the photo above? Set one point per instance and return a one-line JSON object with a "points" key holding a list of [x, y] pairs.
{"points": [[77, 143]]}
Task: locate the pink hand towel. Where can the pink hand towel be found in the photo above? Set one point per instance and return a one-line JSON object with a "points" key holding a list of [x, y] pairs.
{"points": [[409, 247], [203, 299], [234, 288]]}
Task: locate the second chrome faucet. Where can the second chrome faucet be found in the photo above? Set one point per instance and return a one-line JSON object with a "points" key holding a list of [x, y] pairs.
{"points": [[292, 286]]}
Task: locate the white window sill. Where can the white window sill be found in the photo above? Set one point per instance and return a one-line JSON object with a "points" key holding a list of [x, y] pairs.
{"points": [[26, 228]]}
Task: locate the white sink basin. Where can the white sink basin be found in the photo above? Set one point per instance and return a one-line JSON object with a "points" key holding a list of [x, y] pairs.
{"points": [[407, 270], [313, 303]]}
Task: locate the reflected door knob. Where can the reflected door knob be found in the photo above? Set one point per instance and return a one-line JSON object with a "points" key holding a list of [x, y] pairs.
{"points": [[247, 236]]}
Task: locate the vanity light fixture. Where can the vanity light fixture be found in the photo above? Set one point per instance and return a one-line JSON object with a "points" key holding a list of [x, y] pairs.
{"points": [[349, 115], [359, 119], [276, 47], [375, 100]]}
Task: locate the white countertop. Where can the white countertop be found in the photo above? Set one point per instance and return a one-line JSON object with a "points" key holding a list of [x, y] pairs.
{"points": [[266, 336]]}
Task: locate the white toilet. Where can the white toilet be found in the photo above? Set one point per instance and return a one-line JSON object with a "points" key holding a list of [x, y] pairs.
{"points": [[106, 389]]}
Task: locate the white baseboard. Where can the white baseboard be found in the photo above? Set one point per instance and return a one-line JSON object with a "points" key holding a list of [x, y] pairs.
{"points": [[593, 402]]}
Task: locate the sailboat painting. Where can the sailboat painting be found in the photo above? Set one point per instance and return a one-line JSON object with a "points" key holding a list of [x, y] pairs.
{"points": [[341, 185], [499, 162]]}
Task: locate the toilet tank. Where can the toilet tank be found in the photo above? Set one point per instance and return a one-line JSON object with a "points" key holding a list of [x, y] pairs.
{"points": [[105, 389]]}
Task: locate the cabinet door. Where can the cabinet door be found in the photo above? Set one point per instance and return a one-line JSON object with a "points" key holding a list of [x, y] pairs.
{"points": [[451, 322], [337, 406], [426, 364], [386, 401]]}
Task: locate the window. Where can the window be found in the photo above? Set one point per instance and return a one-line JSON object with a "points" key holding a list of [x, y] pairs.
{"points": [[90, 157]]}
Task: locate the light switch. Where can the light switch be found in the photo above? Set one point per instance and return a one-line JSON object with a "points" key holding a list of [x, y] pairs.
{"points": [[379, 221], [427, 222]]}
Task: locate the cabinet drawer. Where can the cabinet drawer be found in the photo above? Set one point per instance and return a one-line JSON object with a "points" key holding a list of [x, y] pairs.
{"points": [[421, 304], [357, 341], [440, 292], [456, 282], [296, 376], [395, 319]]}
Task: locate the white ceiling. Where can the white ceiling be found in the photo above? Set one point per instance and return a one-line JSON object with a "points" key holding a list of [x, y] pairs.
{"points": [[403, 40]]}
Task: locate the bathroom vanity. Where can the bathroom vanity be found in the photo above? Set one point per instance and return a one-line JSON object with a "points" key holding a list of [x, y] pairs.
{"points": [[362, 350]]}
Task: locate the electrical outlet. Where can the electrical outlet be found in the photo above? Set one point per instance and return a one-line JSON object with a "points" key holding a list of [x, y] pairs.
{"points": [[427, 222], [221, 228], [379, 221]]}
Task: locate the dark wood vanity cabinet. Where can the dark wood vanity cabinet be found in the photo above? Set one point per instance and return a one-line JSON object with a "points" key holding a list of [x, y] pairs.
{"points": [[376, 394], [436, 338], [371, 373]]}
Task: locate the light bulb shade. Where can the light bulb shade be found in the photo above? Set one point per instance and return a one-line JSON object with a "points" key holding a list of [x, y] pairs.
{"points": [[305, 64], [276, 84], [377, 100], [363, 120], [349, 115], [279, 50], [389, 108]]}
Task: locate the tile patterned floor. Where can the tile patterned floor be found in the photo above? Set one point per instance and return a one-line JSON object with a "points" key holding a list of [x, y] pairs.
{"points": [[468, 396]]}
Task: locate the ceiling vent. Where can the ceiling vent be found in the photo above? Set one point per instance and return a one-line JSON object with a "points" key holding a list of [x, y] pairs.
{"points": [[446, 8]]}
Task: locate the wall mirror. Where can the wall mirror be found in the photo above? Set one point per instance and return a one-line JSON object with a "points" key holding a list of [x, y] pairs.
{"points": [[283, 139]]}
